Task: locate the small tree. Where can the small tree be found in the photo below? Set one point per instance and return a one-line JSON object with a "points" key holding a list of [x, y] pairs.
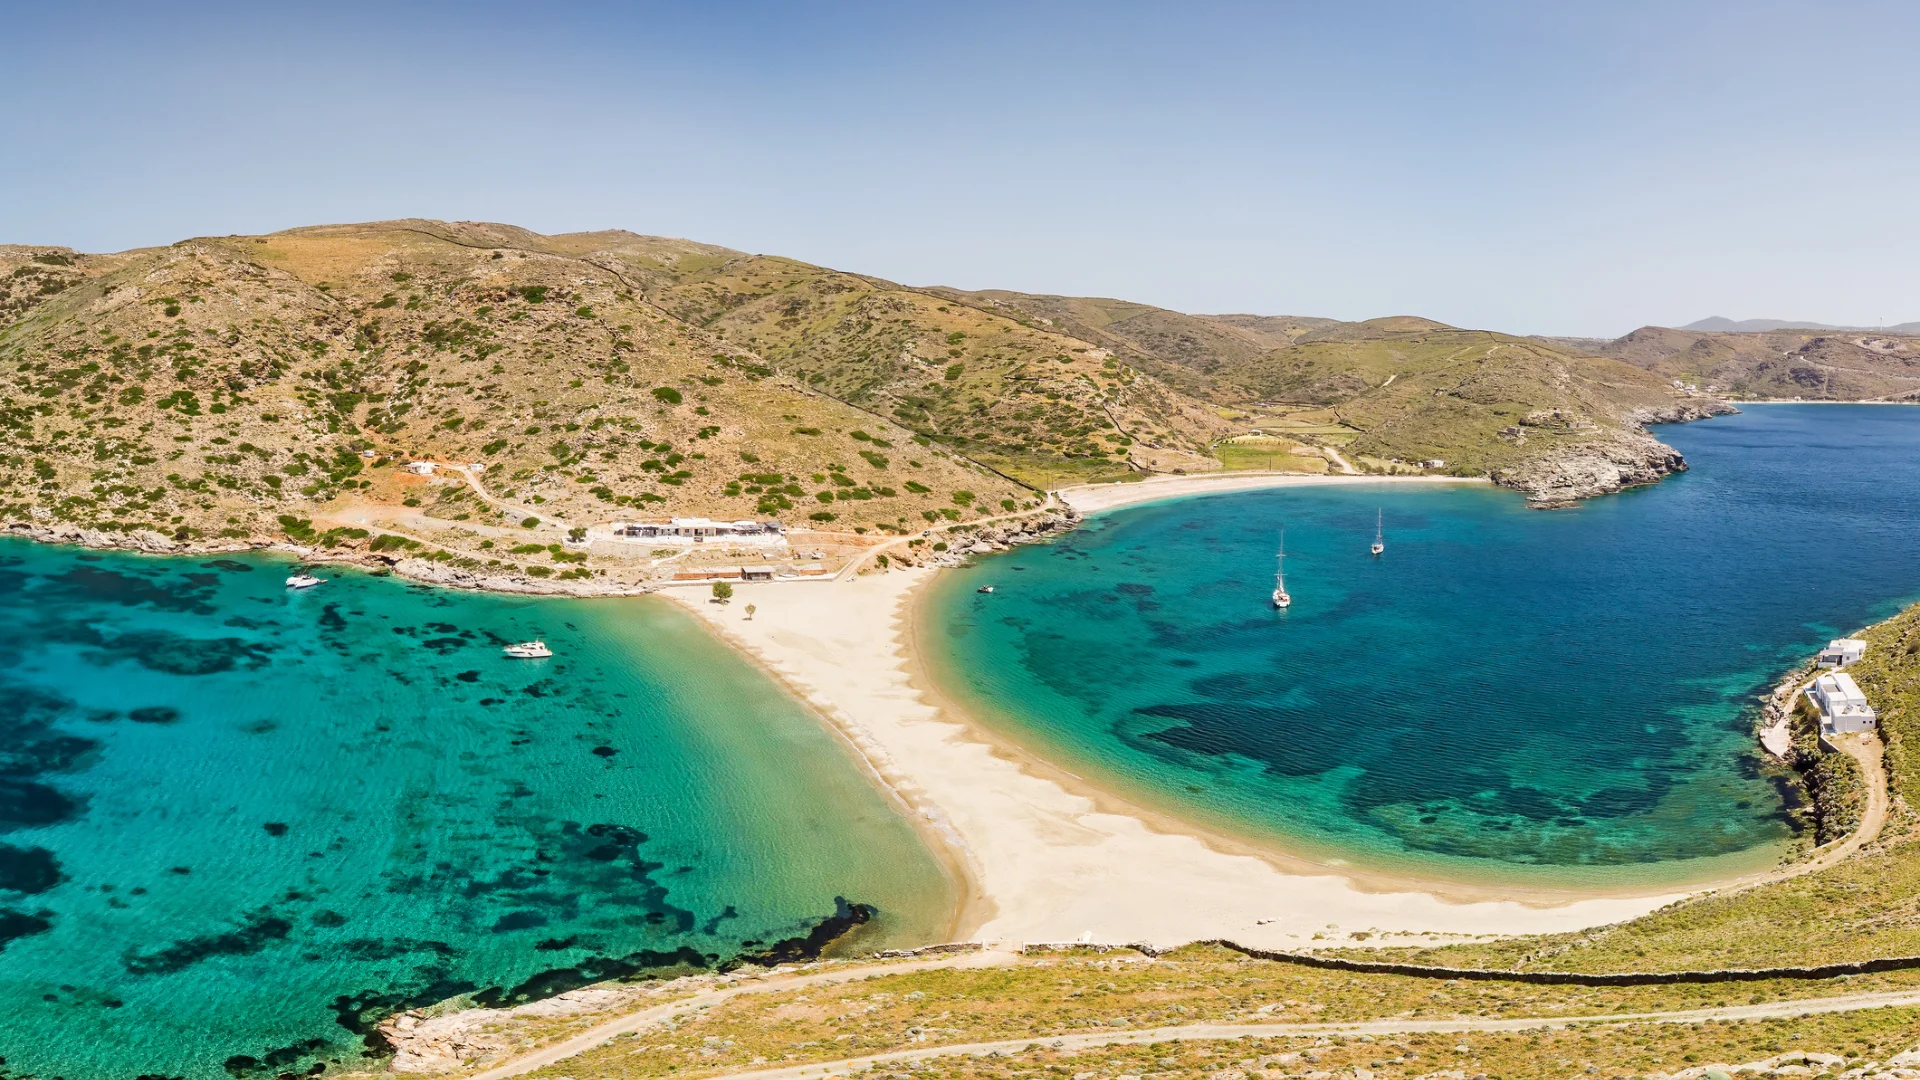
{"points": [[577, 533], [722, 591], [749, 611]]}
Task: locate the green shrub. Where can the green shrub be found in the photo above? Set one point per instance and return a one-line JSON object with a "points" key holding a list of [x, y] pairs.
{"points": [[530, 523], [667, 395]]}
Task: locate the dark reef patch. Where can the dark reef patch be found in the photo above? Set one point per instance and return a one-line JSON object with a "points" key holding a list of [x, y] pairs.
{"points": [[229, 565], [25, 804], [278, 1061], [154, 714], [174, 654], [560, 980], [28, 870], [519, 920], [260, 929], [18, 924], [275, 828], [387, 949], [91, 584], [810, 945]]}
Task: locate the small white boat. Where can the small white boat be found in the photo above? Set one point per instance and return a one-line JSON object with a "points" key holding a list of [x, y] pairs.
{"points": [[1280, 597], [304, 581], [984, 589], [1379, 536], [528, 650]]}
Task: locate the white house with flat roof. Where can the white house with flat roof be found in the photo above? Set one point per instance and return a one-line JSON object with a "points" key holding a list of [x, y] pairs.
{"points": [[695, 530], [1842, 651], [1843, 708]]}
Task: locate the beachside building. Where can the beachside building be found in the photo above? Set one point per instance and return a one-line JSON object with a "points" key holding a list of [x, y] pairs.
{"points": [[1842, 651], [1843, 708], [701, 530]]}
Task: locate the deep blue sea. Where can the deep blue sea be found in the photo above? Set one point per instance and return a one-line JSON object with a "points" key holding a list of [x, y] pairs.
{"points": [[239, 824], [1554, 697]]}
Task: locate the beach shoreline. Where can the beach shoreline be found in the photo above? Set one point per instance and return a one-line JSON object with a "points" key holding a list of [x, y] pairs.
{"points": [[1035, 851], [1090, 499], [1049, 856]]}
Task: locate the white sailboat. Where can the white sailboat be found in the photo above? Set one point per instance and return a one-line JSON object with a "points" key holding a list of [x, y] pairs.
{"points": [[304, 580], [1379, 536], [1280, 597]]}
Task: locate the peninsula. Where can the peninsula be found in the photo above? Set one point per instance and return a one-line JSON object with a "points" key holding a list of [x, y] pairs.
{"points": [[246, 390]]}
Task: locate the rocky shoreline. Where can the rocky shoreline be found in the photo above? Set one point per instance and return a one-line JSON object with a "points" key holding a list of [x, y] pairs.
{"points": [[1044, 525], [148, 542], [1049, 525], [1602, 466]]}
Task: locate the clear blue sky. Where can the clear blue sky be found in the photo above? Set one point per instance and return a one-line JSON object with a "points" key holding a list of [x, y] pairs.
{"points": [[1540, 168]]}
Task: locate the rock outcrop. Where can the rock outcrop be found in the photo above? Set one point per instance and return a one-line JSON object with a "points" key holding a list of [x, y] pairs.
{"points": [[1003, 536], [1563, 475]]}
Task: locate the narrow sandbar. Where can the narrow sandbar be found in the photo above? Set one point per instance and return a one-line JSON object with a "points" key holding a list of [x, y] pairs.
{"points": [[1047, 856]]}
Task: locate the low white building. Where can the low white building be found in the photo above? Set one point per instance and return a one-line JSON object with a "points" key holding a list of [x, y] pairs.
{"points": [[420, 468], [701, 530], [1843, 708], [1842, 651]]}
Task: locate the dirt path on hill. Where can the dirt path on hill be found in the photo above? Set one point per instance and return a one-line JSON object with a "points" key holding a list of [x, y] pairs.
{"points": [[708, 997], [1776, 1010], [1870, 752], [859, 561], [638, 1021], [1345, 466]]}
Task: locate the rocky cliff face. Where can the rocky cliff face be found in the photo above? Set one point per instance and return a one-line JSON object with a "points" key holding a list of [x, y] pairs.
{"points": [[1561, 475]]}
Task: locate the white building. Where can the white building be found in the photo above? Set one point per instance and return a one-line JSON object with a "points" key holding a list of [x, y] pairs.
{"points": [[700, 531], [1842, 651], [1843, 708], [420, 468]]}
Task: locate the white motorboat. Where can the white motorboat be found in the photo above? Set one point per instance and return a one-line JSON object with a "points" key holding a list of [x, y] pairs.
{"points": [[1280, 597], [984, 589], [528, 650], [1379, 536], [304, 581]]}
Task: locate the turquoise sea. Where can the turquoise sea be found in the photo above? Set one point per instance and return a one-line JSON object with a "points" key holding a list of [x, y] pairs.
{"points": [[239, 825], [1554, 698]]}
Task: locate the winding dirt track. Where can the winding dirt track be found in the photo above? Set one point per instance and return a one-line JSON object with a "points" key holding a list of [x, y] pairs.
{"points": [[638, 1021]]}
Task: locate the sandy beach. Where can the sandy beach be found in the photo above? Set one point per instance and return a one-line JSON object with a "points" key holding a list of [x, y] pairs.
{"points": [[1093, 498], [1046, 857]]}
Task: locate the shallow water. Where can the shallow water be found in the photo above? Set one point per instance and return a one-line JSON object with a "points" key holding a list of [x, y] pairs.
{"points": [[237, 823], [1508, 694]]}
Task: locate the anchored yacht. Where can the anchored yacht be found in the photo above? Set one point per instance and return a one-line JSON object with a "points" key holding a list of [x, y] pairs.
{"points": [[1280, 597], [304, 581], [528, 650]]}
